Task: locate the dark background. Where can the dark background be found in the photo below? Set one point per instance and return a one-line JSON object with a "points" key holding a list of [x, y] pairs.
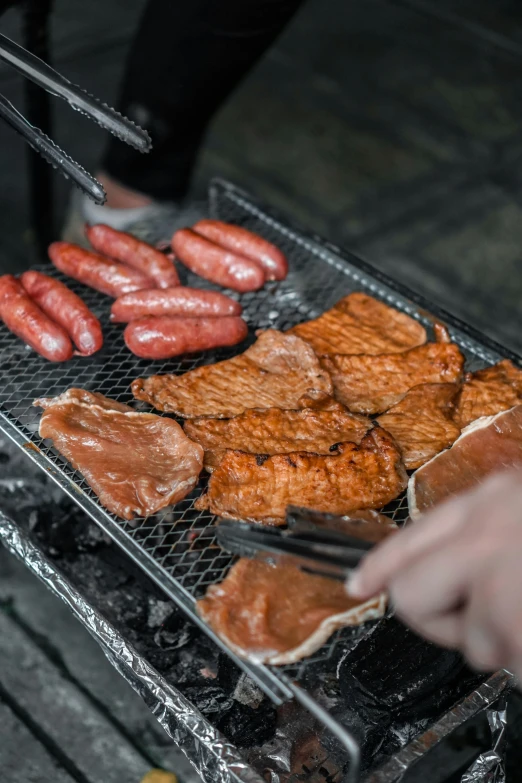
{"points": [[390, 127]]}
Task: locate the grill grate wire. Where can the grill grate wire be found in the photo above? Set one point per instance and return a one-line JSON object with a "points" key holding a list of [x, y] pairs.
{"points": [[175, 546]]}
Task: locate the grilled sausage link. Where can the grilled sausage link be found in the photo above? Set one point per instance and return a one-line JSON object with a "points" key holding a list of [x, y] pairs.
{"points": [[67, 309], [108, 277], [246, 243], [217, 264], [134, 252], [180, 300], [167, 336], [24, 318]]}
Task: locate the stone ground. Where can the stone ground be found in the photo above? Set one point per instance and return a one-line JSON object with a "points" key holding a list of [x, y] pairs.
{"points": [[392, 127]]}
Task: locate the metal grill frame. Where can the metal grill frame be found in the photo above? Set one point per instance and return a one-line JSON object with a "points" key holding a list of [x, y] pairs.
{"points": [[175, 548]]}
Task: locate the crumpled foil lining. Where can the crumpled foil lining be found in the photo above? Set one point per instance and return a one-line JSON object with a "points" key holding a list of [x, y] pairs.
{"points": [[209, 752], [490, 766], [482, 699], [216, 759]]}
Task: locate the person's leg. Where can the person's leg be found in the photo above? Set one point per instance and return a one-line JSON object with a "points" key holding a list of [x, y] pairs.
{"points": [[187, 57]]}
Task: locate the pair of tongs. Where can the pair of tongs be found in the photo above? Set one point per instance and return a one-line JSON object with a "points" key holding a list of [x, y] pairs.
{"points": [[321, 544], [46, 77]]}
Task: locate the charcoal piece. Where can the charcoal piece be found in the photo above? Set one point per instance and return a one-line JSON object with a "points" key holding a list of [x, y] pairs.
{"points": [[247, 727], [209, 699], [394, 674]]}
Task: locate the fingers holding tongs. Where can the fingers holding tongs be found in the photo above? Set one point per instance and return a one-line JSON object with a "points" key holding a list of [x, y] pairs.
{"points": [[78, 99], [313, 541]]}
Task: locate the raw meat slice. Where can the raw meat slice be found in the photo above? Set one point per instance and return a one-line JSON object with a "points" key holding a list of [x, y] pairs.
{"points": [[487, 446], [279, 614], [137, 463]]}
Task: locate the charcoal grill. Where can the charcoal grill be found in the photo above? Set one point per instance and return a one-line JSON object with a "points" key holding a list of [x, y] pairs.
{"points": [[175, 548]]}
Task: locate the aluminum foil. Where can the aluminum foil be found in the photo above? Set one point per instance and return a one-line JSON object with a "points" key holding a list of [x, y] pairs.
{"points": [[481, 699], [490, 766], [209, 752]]}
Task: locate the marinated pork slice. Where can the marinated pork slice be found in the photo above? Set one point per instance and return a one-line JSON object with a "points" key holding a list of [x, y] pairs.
{"points": [[277, 614], [275, 372], [488, 392], [422, 422], [361, 324], [320, 424], [136, 463], [372, 384], [487, 446], [259, 488]]}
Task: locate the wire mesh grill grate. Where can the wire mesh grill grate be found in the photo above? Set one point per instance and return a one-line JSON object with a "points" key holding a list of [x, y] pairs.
{"points": [[178, 539]]}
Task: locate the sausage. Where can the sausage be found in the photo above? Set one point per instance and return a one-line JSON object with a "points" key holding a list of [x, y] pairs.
{"points": [[100, 273], [180, 300], [167, 336], [67, 309], [134, 252], [215, 263], [24, 318], [246, 243]]}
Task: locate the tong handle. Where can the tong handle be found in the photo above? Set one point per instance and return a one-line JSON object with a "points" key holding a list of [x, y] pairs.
{"points": [[50, 80], [40, 142]]}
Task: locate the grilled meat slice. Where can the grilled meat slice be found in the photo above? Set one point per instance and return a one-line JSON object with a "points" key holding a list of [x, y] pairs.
{"points": [[372, 384], [489, 391], [137, 463], [278, 614], [320, 424], [361, 324], [259, 488], [273, 373], [422, 422], [485, 447]]}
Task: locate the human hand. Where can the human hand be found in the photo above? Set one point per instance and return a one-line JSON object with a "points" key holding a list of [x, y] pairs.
{"points": [[456, 575]]}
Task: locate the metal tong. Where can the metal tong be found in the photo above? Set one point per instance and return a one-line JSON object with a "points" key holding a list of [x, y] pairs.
{"points": [[309, 542], [78, 99]]}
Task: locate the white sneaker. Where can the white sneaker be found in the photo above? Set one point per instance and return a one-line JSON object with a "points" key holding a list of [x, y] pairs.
{"points": [[154, 223]]}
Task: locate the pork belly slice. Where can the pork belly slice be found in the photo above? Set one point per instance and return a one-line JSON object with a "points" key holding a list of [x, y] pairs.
{"points": [[259, 488], [488, 392], [372, 384], [278, 614], [422, 422], [136, 463], [361, 324], [487, 446], [321, 423], [275, 372]]}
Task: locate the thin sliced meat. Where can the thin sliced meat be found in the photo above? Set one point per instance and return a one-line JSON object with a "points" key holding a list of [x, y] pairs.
{"points": [[320, 424], [489, 391], [422, 422], [372, 384], [275, 372], [489, 445], [278, 614], [361, 324], [258, 488], [136, 463], [87, 397]]}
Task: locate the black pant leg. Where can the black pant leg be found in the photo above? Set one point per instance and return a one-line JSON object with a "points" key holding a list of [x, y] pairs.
{"points": [[187, 56]]}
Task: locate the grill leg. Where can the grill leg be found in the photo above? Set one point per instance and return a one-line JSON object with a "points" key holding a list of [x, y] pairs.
{"points": [[36, 17]]}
